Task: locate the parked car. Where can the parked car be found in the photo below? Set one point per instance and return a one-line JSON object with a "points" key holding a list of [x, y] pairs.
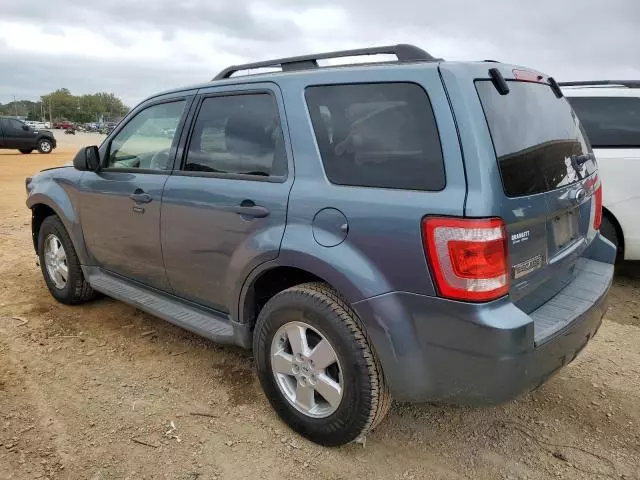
{"points": [[17, 135], [610, 113], [63, 125], [437, 239], [35, 125]]}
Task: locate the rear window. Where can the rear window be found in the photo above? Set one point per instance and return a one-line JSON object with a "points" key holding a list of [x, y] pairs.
{"points": [[609, 121], [536, 137], [377, 135]]}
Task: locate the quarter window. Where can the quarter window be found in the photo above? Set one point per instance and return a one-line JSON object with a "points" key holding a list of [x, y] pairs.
{"points": [[238, 135], [377, 135], [145, 141]]}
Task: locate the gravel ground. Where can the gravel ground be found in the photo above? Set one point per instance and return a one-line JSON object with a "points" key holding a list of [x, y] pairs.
{"points": [[104, 391]]}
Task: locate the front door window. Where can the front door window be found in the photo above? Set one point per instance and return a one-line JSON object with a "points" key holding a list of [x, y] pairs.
{"points": [[145, 142]]}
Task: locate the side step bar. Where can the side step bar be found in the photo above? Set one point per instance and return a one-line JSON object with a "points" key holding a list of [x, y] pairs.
{"points": [[206, 323]]}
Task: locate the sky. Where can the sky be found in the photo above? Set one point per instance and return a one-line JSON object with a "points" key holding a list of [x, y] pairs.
{"points": [[135, 48]]}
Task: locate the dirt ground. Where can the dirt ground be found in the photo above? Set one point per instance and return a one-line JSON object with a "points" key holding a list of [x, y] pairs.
{"points": [[104, 391]]}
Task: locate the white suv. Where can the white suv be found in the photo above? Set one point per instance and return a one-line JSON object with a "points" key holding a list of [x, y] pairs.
{"points": [[610, 113]]}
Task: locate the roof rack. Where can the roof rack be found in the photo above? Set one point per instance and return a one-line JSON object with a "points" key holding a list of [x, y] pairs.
{"points": [[404, 53], [587, 83]]}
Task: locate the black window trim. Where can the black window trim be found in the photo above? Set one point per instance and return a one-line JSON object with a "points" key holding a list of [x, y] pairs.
{"points": [[174, 144], [199, 101], [409, 82]]}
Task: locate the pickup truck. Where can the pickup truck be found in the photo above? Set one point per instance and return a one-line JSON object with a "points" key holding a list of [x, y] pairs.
{"points": [[15, 134]]}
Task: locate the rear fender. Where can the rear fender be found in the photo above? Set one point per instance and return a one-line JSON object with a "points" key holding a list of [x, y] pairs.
{"points": [[344, 269]]}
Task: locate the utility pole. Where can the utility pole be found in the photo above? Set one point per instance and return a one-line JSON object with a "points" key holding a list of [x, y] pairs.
{"points": [[15, 106]]}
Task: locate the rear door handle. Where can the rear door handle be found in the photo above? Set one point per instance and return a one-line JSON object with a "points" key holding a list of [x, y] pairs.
{"points": [[249, 209], [139, 196]]}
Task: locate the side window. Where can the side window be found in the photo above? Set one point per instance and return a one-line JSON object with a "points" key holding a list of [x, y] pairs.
{"points": [[11, 125], [145, 141], [609, 121], [238, 134], [377, 135]]}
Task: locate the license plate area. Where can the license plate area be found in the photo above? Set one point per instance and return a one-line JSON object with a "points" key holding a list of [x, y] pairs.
{"points": [[565, 228], [524, 268]]}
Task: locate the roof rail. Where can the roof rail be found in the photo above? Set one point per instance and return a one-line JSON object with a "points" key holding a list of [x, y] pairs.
{"points": [[404, 53], [588, 83]]}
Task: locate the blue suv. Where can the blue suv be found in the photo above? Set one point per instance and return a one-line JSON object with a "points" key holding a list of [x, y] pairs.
{"points": [[417, 229]]}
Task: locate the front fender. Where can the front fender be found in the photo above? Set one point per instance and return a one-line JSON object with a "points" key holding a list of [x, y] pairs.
{"points": [[60, 194], [51, 138]]}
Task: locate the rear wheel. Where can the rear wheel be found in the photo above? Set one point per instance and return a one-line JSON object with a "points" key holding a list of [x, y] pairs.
{"points": [[317, 367], [60, 265], [45, 146], [610, 232], [26, 150]]}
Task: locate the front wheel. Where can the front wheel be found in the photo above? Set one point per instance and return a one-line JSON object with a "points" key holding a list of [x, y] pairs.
{"points": [[26, 150], [317, 367], [45, 146], [60, 265]]}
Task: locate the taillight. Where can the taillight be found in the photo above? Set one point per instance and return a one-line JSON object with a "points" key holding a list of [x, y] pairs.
{"points": [[597, 218], [468, 257]]}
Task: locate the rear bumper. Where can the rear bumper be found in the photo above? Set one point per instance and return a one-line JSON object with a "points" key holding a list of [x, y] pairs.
{"points": [[433, 349]]}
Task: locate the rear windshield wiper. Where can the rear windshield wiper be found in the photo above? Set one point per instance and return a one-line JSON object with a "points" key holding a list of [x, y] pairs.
{"points": [[582, 159], [577, 161]]}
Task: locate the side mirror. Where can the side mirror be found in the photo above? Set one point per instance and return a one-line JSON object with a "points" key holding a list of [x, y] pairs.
{"points": [[87, 158], [25, 128]]}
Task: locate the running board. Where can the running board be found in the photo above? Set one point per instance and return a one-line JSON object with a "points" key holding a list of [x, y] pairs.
{"points": [[206, 323]]}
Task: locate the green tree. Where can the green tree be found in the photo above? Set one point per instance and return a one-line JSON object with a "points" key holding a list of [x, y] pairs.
{"points": [[83, 108]]}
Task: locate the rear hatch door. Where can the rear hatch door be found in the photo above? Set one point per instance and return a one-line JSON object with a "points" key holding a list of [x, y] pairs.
{"points": [[548, 175]]}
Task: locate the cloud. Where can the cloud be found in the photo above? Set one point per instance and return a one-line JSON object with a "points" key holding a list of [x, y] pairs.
{"points": [[137, 48]]}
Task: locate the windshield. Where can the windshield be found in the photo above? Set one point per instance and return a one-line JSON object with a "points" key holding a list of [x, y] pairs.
{"points": [[539, 142]]}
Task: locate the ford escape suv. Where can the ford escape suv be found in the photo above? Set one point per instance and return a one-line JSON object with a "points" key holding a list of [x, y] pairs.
{"points": [[417, 229]]}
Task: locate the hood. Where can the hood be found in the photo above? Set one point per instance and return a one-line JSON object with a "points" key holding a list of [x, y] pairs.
{"points": [[67, 165]]}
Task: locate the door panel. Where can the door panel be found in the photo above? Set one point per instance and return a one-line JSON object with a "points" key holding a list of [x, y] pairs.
{"points": [[120, 205], [619, 169], [207, 242], [225, 211], [121, 234]]}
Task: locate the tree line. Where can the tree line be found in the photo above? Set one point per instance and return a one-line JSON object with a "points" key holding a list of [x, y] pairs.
{"points": [[62, 105]]}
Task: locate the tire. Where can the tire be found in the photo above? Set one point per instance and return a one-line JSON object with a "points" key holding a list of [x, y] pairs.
{"points": [[74, 289], [610, 232], [45, 145], [26, 150], [364, 399]]}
